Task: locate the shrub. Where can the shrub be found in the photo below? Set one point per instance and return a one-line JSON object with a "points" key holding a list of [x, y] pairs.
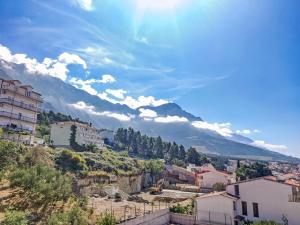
{"points": [[106, 219], [14, 217], [188, 209], [74, 217], [219, 187], [71, 161], [43, 184], [264, 222]]}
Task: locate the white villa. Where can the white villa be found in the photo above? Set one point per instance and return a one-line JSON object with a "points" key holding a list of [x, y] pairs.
{"points": [[265, 198]]}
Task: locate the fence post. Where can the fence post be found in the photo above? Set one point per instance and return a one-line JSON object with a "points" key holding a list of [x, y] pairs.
{"points": [[159, 204], [209, 216], [144, 208], [225, 218], [134, 210]]}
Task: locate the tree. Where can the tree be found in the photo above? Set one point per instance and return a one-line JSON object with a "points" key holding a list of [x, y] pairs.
{"points": [[154, 167], [181, 153], [193, 156], [159, 148], [15, 217], [253, 171], [71, 161], [219, 187], [174, 151]]}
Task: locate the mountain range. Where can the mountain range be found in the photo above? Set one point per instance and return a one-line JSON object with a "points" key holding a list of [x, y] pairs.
{"points": [[62, 97]]}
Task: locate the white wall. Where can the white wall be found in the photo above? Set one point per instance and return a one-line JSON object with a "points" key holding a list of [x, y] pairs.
{"points": [[60, 134], [212, 177], [272, 198], [214, 208]]}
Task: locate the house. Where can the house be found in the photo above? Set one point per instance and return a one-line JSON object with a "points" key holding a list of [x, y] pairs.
{"points": [[107, 135], [19, 106], [175, 174], [84, 134], [264, 198], [207, 179]]}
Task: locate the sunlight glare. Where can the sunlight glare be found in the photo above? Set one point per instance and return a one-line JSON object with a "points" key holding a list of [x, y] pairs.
{"points": [[159, 5]]}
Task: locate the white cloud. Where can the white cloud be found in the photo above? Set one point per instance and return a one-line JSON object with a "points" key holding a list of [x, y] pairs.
{"points": [[170, 119], [86, 84], [263, 144], [142, 101], [91, 110], [85, 4], [247, 131], [53, 67], [223, 129], [119, 93], [147, 113], [107, 78], [68, 58]]}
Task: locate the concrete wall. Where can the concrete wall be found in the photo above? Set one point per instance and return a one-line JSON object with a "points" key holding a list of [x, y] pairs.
{"points": [[216, 209], [182, 219], [272, 198], [161, 217]]}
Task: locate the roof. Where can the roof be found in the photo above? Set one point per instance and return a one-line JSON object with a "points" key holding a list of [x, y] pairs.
{"points": [[214, 171], [274, 179], [221, 193]]}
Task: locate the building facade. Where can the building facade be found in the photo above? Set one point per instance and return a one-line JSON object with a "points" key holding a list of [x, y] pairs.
{"points": [[265, 198], [85, 134], [19, 106]]}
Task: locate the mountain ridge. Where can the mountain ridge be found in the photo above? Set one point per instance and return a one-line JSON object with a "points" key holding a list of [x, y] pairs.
{"points": [[60, 97]]}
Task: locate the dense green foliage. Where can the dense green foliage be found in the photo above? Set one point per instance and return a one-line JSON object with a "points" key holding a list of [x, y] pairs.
{"points": [[10, 154], [112, 162], [106, 219], [253, 171], [43, 184], [15, 217], [74, 217], [187, 209], [219, 187], [150, 147], [71, 161], [154, 167]]}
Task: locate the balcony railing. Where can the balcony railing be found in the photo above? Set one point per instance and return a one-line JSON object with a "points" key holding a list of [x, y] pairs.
{"points": [[294, 197], [19, 104], [11, 88], [17, 116]]}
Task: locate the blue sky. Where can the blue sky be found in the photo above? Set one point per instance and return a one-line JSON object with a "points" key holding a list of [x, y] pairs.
{"points": [[227, 61]]}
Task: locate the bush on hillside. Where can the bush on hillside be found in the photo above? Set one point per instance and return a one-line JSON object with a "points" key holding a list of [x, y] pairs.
{"points": [[43, 184], [71, 161], [74, 217], [15, 217], [106, 219]]}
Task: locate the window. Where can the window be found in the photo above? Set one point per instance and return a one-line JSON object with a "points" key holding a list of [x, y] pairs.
{"points": [[255, 210], [237, 190], [234, 205], [244, 208]]}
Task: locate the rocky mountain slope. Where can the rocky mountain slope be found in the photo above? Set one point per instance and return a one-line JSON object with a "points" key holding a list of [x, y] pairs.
{"points": [[61, 97]]}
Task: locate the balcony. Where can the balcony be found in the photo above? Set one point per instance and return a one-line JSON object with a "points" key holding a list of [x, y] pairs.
{"points": [[294, 197], [17, 117], [19, 104], [15, 90]]}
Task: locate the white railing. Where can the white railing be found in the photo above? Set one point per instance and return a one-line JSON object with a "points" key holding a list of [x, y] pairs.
{"points": [[19, 104], [17, 116]]}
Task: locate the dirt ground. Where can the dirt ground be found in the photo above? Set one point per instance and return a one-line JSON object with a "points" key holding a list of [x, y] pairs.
{"points": [[130, 209]]}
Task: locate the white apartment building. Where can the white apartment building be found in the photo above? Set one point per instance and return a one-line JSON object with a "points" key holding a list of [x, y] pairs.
{"points": [[264, 198], [85, 134], [19, 106], [207, 179]]}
